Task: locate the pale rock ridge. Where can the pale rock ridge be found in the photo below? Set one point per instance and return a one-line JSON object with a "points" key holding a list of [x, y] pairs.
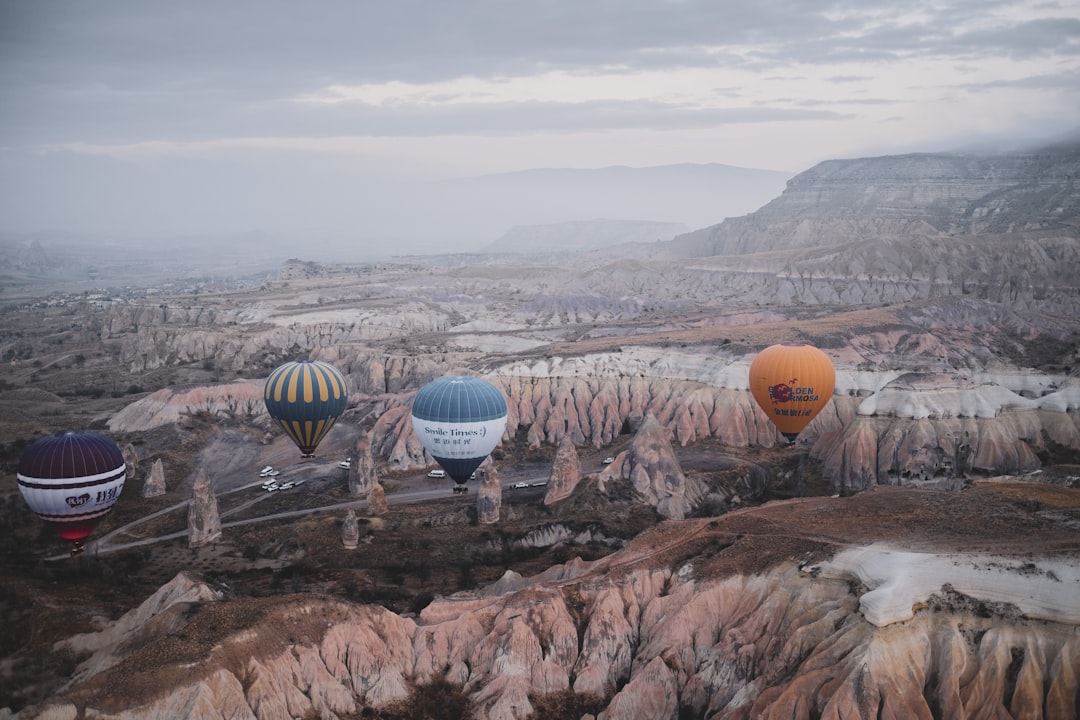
{"points": [[1042, 589], [204, 522], [654, 472], [105, 645], [565, 472], [239, 399], [658, 642], [939, 453], [942, 396], [595, 410], [558, 534], [651, 693], [930, 430], [154, 335], [154, 485]]}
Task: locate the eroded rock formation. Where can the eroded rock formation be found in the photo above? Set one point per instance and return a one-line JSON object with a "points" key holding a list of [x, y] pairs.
{"points": [[659, 629], [651, 467], [242, 399], [940, 431]]}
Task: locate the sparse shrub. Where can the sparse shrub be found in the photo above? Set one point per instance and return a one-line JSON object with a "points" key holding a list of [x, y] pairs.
{"points": [[421, 601], [566, 705], [438, 700]]}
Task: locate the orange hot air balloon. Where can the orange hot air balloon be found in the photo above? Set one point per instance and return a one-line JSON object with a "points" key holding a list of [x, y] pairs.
{"points": [[792, 383]]}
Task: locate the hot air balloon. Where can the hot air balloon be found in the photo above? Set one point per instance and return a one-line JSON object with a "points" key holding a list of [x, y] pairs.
{"points": [[71, 480], [792, 383], [459, 419], [306, 398]]}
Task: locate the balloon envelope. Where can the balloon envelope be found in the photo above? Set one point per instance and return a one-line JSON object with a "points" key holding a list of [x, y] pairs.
{"points": [[459, 419], [306, 398], [71, 480], [792, 383]]}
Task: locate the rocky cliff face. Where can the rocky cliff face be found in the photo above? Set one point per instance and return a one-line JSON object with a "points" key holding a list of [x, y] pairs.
{"points": [[706, 618], [940, 431], [919, 195], [1002, 228], [158, 335]]}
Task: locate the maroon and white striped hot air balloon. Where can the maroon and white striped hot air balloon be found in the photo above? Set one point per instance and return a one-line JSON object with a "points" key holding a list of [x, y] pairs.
{"points": [[71, 480]]}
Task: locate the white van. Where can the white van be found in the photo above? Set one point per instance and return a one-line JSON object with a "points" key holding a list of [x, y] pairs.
{"points": [[437, 474]]}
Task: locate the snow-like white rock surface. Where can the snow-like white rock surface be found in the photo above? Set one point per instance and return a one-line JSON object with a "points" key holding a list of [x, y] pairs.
{"points": [[1041, 588], [493, 343], [943, 396], [1067, 399]]}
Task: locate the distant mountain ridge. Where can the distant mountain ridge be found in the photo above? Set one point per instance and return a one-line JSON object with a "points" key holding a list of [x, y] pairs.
{"points": [[841, 201], [696, 195], [582, 235]]}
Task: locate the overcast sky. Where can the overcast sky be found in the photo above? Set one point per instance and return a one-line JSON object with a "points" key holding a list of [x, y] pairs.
{"points": [[231, 115]]}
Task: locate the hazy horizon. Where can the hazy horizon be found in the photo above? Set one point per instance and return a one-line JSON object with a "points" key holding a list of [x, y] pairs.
{"points": [[372, 124]]}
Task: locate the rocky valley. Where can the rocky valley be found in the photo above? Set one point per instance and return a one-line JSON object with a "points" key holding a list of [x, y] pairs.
{"points": [[643, 543]]}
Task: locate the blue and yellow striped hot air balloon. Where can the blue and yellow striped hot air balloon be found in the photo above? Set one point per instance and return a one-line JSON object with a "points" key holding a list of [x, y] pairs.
{"points": [[305, 398]]}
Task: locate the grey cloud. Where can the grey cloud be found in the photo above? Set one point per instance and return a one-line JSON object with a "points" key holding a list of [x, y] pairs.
{"points": [[144, 118], [117, 72], [1067, 81]]}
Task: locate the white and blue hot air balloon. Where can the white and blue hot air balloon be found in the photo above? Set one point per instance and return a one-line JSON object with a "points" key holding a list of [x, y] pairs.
{"points": [[459, 419]]}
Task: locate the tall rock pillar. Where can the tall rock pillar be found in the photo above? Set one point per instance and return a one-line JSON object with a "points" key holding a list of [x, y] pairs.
{"points": [[362, 475], [565, 472], [154, 485], [204, 523], [489, 494]]}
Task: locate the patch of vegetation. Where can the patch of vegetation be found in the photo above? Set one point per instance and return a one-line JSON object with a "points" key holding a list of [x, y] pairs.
{"points": [[567, 705], [438, 700]]}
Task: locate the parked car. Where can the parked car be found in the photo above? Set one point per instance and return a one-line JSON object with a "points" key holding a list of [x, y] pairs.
{"points": [[609, 460], [520, 485], [345, 464], [437, 474]]}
